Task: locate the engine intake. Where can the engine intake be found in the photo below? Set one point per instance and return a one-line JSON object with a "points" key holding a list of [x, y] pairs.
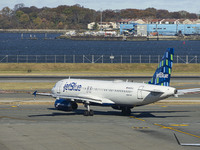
{"points": [[65, 105]]}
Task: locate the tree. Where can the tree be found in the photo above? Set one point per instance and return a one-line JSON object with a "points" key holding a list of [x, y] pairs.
{"points": [[37, 22], [18, 6], [24, 19], [76, 16], [175, 15], [19, 13], [6, 11], [162, 14], [149, 13], [60, 25]]}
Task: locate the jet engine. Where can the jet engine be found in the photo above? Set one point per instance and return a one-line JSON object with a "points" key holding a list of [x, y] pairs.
{"points": [[65, 105], [118, 107]]}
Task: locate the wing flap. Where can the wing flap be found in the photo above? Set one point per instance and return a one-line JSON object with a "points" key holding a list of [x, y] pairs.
{"points": [[88, 99], [80, 98]]}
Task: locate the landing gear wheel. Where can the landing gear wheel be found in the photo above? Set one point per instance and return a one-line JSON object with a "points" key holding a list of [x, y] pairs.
{"points": [[91, 112], [86, 113], [126, 111]]}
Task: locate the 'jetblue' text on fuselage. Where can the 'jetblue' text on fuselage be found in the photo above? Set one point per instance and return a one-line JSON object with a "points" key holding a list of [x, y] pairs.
{"points": [[71, 87]]}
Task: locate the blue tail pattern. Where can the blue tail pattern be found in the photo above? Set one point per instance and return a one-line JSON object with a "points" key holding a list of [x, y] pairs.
{"points": [[163, 72]]}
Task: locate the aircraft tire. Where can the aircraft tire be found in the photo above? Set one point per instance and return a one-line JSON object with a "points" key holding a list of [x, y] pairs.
{"points": [[86, 113], [126, 112], [91, 113]]}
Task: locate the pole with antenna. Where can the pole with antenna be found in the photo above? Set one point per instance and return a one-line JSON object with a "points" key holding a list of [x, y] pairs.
{"points": [[101, 20]]}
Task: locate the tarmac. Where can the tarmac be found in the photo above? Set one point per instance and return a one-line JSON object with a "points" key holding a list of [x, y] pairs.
{"points": [[149, 127], [31, 124]]}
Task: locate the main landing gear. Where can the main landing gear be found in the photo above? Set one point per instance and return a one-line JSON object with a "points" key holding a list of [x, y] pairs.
{"points": [[88, 112], [126, 111]]}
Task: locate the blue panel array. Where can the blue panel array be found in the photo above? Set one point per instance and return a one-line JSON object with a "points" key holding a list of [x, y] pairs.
{"points": [[163, 72]]}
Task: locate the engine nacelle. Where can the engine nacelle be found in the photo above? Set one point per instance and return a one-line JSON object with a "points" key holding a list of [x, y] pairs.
{"points": [[65, 105], [117, 107], [121, 107]]}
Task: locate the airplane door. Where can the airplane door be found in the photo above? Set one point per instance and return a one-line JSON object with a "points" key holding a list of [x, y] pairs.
{"points": [[139, 92], [60, 87]]}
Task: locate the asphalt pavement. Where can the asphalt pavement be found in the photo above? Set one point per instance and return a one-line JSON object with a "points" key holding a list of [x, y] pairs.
{"points": [[149, 127]]}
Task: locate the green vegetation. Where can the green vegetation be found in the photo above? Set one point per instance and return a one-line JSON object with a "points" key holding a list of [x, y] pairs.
{"points": [[28, 86], [46, 69], [75, 17], [92, 69]]}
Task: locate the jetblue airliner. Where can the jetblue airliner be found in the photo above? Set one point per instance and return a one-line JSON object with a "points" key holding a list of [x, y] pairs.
{"points": [[117, 94]]}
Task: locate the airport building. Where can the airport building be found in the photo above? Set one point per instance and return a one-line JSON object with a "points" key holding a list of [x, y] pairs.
{"points": [[165, 27], [128, 28], [173, 29], [160, 29]]}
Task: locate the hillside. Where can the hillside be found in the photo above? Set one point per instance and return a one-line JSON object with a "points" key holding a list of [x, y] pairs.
{"points": [[75, 17]]}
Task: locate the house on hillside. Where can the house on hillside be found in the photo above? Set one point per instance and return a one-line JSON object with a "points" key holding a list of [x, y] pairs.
{"points": [[196, 21], [169, 21], [185, 21], [154, 21]]}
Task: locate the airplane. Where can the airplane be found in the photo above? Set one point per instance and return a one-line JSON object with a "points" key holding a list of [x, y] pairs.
{"points": [[120, 95]]}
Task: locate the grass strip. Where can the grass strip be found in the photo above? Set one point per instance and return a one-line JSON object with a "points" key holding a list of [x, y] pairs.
{"points": [[92, 69]]}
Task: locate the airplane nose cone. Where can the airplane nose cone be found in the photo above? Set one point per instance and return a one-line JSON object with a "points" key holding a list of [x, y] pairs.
{"points": [[53, 90]]}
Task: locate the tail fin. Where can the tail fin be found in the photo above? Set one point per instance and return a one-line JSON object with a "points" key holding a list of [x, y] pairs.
{"points": [[163, 72]]}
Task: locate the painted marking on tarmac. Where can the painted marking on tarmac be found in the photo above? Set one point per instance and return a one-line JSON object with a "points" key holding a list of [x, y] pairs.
{"points": [[7, 117], [163, 106], [136, 118], [140, 127], [179, 125], [171, 128]]}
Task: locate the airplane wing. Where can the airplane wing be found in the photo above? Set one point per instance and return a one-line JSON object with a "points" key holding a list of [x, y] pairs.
{"points": [[89, 99], [188, 91], [42, 94], [80, 98]]}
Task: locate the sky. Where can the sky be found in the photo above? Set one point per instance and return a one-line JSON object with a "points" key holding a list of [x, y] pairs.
{"points": [[192, 6]]}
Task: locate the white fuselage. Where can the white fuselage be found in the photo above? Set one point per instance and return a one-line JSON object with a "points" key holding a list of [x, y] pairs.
{"points": [[119, 92]]}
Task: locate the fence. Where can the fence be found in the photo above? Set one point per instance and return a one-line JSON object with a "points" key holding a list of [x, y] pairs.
{"points": [[94, 59]]}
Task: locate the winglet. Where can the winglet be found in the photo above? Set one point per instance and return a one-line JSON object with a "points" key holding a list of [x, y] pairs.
{"points": [[35, 93]]}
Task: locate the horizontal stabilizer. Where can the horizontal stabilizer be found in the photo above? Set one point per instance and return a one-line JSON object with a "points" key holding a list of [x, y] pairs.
{"points": [[188, 91], [153, 90]]}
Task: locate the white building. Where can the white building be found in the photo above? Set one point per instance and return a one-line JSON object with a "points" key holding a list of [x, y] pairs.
{"points": [[141, 30], [91, 25], [103, 25]]}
